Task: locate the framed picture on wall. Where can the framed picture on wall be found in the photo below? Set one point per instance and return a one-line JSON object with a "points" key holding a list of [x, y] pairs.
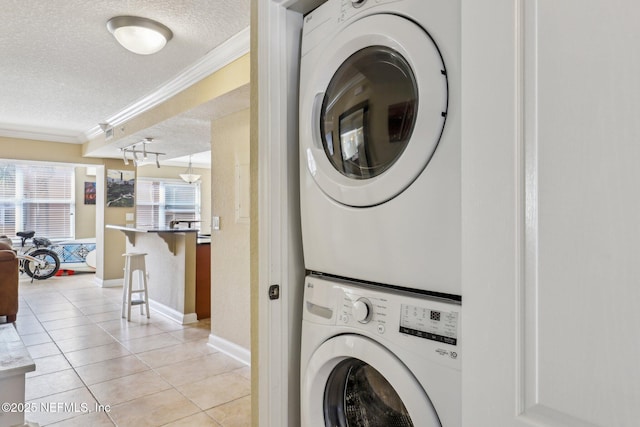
{"points": [[120, 188], [89, 193]]}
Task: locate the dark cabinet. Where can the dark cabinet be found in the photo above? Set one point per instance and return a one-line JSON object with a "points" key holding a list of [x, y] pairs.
{"points": [[203, 281]]}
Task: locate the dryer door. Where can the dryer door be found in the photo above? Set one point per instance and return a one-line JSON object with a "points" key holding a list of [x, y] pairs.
{"points": [[373, 111], [354, 381]]}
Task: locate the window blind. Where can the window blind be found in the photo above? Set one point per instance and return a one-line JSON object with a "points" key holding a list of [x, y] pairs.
{"points": [[37, 197], [158, 202]]}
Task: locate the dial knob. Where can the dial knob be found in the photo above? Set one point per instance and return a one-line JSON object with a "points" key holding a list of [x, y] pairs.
{"points": [[362, 310]]}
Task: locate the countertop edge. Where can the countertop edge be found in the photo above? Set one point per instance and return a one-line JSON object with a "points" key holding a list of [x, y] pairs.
{"points": [[14, 356], [151, 230]]}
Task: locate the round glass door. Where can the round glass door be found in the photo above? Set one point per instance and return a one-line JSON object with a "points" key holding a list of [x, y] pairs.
{"points": [[358, 395], [368, 112], [353, 381], [373, 106]]}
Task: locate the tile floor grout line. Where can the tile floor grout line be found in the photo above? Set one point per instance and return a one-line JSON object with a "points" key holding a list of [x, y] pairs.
{"points": [[66, 294], [85, 385], [74, 368]]}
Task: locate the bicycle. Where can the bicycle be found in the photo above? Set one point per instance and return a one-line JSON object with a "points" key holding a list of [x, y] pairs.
{"points": [[36, 259]]}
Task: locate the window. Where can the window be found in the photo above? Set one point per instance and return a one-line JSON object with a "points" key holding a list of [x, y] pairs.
{"points": [[38, 197], [159, 201]]}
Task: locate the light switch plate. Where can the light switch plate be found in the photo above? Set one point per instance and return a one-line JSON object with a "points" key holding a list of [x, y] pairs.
{"points": [[216, 223], [129, 216]]}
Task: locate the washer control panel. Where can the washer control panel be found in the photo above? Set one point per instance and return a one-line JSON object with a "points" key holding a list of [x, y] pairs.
{"points": [[419, 317], [364, 310], [427, 326], [424, 322]]}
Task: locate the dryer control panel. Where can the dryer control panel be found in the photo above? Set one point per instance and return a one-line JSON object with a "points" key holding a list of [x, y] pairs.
{"points": [[348, 8]]}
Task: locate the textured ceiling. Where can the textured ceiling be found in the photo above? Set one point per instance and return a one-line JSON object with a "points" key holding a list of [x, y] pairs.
{"points": [[188, 133], [62, 72]]}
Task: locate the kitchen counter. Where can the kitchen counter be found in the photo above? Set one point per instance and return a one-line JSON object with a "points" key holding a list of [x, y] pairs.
{"points": [[203, 239], [167, 234], [171, 268], [15, 362]]}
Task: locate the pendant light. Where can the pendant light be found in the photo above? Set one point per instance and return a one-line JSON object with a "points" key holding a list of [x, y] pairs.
{"points": [[189, 176]]}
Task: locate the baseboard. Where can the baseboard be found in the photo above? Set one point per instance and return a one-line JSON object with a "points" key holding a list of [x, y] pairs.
{"points": [[239, 353], [170, 313], [111, 283]]}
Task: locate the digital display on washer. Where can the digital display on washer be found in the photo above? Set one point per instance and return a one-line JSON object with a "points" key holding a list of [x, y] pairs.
{"points": [[430, 324]]}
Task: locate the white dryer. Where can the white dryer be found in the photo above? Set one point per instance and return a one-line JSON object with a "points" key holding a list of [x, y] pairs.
{"points": [[380, 142], [377, 357]]}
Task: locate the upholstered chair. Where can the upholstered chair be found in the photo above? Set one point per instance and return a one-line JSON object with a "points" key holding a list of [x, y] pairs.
{"points": [[8, 283]]}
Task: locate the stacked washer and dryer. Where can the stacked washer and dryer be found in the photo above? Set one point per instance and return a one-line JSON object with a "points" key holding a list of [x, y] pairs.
{"points": [[380, 208]]}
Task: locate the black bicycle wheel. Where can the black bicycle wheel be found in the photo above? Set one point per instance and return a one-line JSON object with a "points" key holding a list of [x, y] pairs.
{"points": [[50, 268]]}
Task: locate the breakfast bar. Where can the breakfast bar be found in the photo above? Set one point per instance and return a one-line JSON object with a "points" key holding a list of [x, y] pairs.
{"points": [[171, 268]]}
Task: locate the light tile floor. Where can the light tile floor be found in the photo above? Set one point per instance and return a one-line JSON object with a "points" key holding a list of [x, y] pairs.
{"points": [[148, 372]]}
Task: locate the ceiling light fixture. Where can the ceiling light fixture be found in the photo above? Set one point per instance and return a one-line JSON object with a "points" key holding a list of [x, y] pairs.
{"points": [[134, 150], [139, 35], [189, 176]]}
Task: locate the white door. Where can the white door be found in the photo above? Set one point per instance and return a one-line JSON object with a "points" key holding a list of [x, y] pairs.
{"points": [[373, 109], [551, 213], [354, 381]]}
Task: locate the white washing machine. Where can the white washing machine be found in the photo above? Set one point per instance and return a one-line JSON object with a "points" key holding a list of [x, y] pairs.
{"points": [[380, 142], [378, 357]]}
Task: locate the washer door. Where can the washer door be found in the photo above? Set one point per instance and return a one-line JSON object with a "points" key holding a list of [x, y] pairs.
{"points": [[354, 381], [373, 111]]}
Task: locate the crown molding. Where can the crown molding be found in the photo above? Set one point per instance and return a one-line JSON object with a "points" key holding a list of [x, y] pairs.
{"points": [[40, 134], [227, 52], [224, 54]]}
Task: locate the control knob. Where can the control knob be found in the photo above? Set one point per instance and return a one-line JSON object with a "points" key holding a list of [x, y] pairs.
{"points": [[362, 310], [357, 3]]}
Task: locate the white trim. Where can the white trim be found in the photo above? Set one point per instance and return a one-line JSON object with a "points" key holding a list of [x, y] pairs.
{"points": [[231, 349], [110, 283], [280, 252], [270, 350], [227, 52], [232, 49], [173, 314], [40, 134]]}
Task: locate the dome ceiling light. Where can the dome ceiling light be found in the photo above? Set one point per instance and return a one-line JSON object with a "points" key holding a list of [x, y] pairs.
{"points": [[139, 35]]}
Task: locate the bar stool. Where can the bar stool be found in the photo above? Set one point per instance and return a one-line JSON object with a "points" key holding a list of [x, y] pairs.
{"points": [[134, 262]]}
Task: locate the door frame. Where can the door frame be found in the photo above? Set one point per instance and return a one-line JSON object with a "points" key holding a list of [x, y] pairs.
{"points": [[276, 323]]}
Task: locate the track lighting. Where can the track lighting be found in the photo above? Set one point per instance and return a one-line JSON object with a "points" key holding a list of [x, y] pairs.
{"points": [[135, 151]]}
